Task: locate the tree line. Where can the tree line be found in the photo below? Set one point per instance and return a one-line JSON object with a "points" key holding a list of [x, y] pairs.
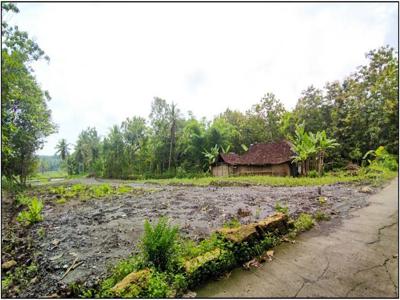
{"points": [[359, 113]]}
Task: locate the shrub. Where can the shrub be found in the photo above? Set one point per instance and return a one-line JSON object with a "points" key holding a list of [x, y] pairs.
{"points": [[32, 215], [312, 174], [159, 244], [304, 222]]}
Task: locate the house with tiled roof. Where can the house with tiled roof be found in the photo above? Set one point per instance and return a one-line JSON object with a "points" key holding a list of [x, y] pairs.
{"points": [[260, 159]]}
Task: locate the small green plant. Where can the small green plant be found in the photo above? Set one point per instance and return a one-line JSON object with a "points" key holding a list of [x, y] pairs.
{"points": [[101, 190], [257, 213], [280, 208], [322, 200], [41, 232], [6, 282], [159, 244], [32, 215], [158, 286], [304, 222], [22, 199], [321, 216], [233, 223], [123, 189], [61, 201]]}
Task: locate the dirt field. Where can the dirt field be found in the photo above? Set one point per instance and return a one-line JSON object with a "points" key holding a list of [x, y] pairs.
{"points": [[100, 232]]}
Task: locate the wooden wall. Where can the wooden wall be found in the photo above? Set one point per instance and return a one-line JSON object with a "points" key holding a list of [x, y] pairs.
{"points": [[275, 170]]}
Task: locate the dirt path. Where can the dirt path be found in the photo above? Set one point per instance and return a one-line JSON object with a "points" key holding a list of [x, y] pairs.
{"points": [[357, 258]]}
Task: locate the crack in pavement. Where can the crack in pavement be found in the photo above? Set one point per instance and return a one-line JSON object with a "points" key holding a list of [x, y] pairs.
{"points": [[306, 280], [390, 276], [353, 288], [379, 233], [373, 267]]}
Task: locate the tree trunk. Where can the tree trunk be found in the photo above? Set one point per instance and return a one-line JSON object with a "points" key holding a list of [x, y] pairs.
{"points": [[321, 164]]}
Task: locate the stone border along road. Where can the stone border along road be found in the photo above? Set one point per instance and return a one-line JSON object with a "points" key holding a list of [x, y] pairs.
{"points": [[356, 258]]}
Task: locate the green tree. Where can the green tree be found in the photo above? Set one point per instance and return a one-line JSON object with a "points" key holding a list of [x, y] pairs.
{"points": [[25, 117], [62, 148], [270, 111]]}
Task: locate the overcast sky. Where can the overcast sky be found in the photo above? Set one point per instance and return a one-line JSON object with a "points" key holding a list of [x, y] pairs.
{"points": [[108, 61]]}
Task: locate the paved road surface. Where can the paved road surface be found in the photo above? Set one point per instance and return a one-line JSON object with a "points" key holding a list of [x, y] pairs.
{"points": [[356, 258]]}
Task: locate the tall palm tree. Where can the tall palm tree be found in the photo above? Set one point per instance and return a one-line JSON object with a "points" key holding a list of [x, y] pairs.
{"points": [[62, 149]]}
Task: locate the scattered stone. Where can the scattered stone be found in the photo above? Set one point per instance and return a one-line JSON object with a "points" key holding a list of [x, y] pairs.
{"points": [[366, 189], [190, 294], [242, 212], [55, 242], [8, 264]]}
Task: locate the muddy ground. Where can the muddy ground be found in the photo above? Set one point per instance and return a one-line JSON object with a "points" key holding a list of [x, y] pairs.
{"points": [[100, 232]]}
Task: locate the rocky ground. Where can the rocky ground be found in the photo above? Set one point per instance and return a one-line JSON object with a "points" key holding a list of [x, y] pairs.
{"points": [[94, 234]]}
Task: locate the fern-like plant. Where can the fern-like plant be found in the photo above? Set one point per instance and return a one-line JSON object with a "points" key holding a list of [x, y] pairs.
{"points": [[32, 215], [159, 244]]}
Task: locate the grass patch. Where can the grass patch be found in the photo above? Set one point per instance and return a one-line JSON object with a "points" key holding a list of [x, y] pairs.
{"points": [[84, 192], [321, 216], [233, 223], [367, 175]]}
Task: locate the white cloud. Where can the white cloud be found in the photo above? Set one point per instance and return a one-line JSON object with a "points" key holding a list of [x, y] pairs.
{"points": [[108, 61]]}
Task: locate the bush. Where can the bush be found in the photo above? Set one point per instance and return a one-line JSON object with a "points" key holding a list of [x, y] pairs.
{"points": [[33, 214], [304, 222], [159, 244], [313, 174]]}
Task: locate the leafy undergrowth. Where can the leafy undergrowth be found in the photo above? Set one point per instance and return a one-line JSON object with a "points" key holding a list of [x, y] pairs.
{"points": [[372, 175], [62, 193], [169, 266]]}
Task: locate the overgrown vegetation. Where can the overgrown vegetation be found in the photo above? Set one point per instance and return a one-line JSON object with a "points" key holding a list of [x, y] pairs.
{"points": [[184, 264]]}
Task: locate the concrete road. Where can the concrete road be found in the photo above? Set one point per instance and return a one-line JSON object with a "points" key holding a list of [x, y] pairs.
{"points": [[356, 258]]}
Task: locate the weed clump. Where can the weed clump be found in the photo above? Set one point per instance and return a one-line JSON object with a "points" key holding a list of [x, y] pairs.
{"points": [[233, 223], [304, 222], [282, 209], [321, 216], [33, 214]]}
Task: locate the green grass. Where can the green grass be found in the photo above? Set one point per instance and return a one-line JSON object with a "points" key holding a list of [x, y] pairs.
{"points": [[46, 176], [271, 180]]}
